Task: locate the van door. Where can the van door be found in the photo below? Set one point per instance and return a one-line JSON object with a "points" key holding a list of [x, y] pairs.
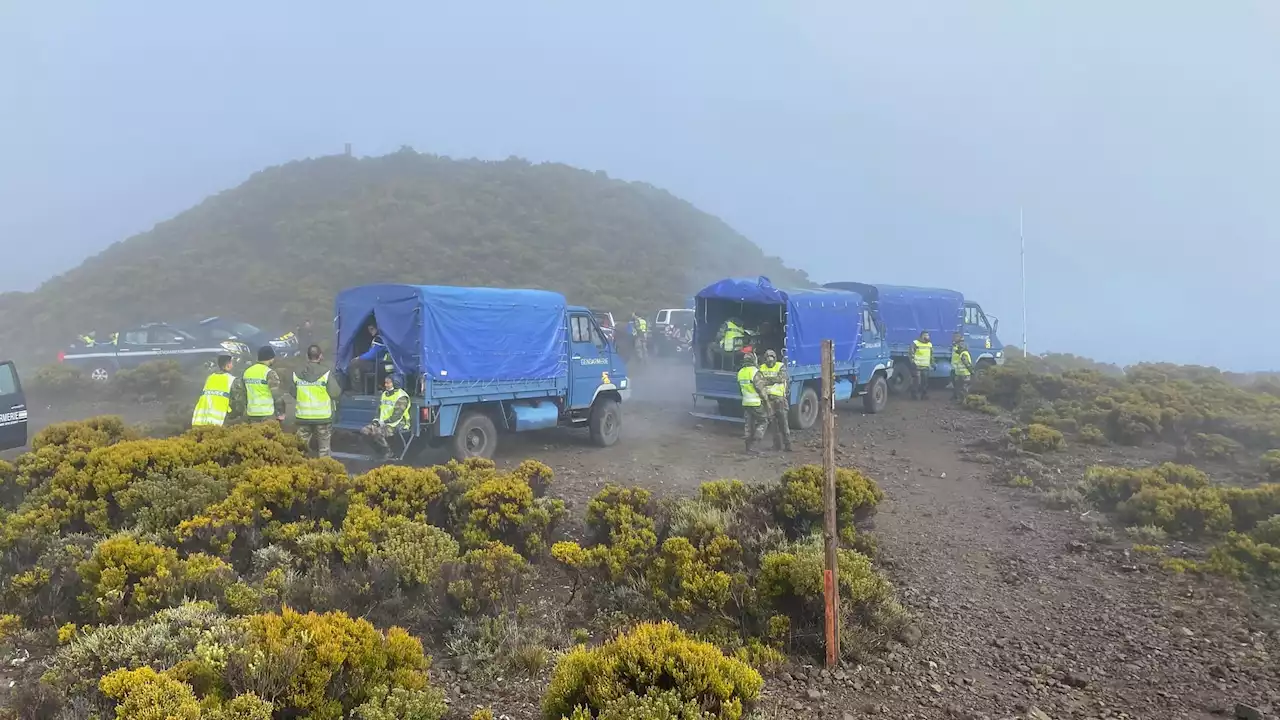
{"points": [[13, 408], [977, 330], [588, 360]]}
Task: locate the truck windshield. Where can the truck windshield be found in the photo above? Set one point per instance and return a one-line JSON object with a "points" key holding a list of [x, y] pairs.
{"points": [[974, 317]]}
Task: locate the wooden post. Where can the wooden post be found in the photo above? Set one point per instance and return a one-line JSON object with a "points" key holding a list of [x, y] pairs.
{"points": [[830, 534]]}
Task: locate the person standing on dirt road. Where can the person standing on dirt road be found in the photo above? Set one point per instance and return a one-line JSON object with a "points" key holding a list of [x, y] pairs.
{"points": [[921, 363], [961, 368], [751, 385], [258, 391], [315, 390], [214, 404], [775, 380]]}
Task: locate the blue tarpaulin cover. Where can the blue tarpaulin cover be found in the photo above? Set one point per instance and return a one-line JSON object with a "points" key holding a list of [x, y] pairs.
{"points": [[459, 334], [813, 315], [907, 311]]}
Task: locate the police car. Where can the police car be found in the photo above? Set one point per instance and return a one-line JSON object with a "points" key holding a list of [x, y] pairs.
{"points": [[220, 329], [13, 408], [152, 341]]}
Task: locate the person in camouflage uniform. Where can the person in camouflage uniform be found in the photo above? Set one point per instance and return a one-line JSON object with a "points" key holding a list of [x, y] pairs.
{"points": [[752, 386], [257, 395], [393, 417], [775, 378], [315, 382]]}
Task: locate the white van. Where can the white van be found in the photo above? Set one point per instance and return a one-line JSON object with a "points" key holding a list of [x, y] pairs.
{"points": [[674, 316]]}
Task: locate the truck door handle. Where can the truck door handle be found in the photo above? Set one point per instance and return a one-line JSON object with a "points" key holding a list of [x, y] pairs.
{"points": [[577, 357]]}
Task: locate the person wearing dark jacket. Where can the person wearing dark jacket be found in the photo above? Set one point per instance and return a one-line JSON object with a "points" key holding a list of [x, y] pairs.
{"points": [[316, 388]]}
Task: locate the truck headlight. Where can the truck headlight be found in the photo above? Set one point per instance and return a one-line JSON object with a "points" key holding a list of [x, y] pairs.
{"points": [[622, 384], [999, 353]]}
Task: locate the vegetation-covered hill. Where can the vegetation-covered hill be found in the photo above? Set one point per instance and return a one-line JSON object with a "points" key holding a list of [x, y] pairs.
{"points": [[278, 247]]}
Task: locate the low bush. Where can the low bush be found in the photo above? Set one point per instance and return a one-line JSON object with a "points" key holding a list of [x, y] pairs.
{"points": [[798, 503], [60, 381], [979, 403], [650, 657], [1037, 438], [1091, 435], [503, 509], [1212, 446], [1270, 463], [490, 578], [152, 380], [145, 694]]}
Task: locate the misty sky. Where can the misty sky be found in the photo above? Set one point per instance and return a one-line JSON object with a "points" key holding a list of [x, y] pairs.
{"points": [[889, 142]]}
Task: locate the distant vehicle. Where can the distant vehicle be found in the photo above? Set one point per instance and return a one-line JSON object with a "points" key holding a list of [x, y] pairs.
{"points": [[793, 323], [219, 329], [605, 319], [151, 341], [13, 408], [478, 362], [906, 311], [679, 317]]}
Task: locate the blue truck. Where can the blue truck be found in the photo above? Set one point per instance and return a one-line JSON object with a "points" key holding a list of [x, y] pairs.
{"points": [[905, 312], [793, 322], [478, 362]]}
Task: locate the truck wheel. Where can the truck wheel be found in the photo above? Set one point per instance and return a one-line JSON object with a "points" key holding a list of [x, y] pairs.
{"points": [[901, 378], [475, 436], [606, 422], [805, 413], [101, 374], [877, 395], [983, 365]]}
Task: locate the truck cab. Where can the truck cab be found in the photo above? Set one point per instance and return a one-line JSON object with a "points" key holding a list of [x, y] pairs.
{"points": [[980, 336]]}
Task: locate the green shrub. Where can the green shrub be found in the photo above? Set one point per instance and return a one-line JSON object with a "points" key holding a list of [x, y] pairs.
{"points": [[685, 577], [324, 666], [656, 705], [726, 494], [60, 381], [402, 704], [398, 490], [1037, 438], [1091, 435], [157, 504], [1147, 534], [979, 403], [1268, 531], [1022, 481], [651, 656], [1270, 462], [490, 578], [503, 509], [152, 380], [1241, 556], [1179, 510], [1250, 506], [1211, 446], [128, 577], [791, 582], [419, 553], [799, 500], [621, 522], [242, 707], [145, 694]]}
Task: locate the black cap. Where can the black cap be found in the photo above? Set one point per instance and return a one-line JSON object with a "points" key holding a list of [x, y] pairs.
{"points": [[266, 352]]}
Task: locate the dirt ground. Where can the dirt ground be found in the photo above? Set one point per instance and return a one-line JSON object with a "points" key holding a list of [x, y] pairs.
{"points": [[1023, 612]]}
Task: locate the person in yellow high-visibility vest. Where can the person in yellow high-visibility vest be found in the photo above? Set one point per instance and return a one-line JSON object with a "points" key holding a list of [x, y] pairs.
{"points": [[258, 390], [961, 367], [316, 387], [214, 404], [921, 364], [775, 380], [393, 417], [751, 385]]}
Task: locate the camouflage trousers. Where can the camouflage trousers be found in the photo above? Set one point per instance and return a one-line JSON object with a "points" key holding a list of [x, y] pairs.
{"points": [[960, 386], [323, 435], [757, 421], [378, 434], [780, 422]]}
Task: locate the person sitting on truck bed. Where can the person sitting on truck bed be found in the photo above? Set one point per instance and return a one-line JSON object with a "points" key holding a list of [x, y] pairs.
{"points": [[730, 339], [393, 417], [921, 363], [367, 361]]}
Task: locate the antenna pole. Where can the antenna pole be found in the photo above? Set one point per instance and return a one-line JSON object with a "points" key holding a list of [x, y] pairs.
{"points": [[1022, 239]]}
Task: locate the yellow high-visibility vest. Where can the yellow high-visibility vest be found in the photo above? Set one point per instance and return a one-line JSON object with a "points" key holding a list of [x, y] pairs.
{"points": [[961, 361], [215, 400], [388, 406], [750, 398], [258, 400], [922, 355], [731, 334], [313, 399], [772, 373]]}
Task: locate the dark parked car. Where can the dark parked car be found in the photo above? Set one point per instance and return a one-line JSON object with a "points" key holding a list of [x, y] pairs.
{"points": [[13, 408], [219, 329], [152, 341]]}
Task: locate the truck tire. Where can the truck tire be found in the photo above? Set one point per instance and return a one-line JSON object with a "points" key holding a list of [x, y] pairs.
{"points": [[805, 413], [901, 379], [475, 436], [606, 422], [877, 395]]}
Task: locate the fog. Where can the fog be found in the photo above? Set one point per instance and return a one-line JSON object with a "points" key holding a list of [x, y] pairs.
{"points": [[887, 142]]}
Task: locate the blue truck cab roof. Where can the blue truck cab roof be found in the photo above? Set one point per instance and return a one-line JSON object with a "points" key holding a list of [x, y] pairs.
{"points": [[907, 311]]}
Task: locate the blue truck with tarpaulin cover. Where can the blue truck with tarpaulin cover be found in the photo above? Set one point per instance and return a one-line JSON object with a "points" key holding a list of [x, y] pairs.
{"points": [[906, 311], [477, 362], [793, 323]]}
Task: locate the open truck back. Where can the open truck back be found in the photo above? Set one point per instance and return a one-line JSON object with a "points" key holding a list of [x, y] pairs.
{"points": [[793, 323], [478, 362]]}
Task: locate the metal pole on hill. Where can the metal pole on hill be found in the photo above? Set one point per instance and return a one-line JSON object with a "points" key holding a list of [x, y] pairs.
{"points": [[1022, 240], [830, 536]]}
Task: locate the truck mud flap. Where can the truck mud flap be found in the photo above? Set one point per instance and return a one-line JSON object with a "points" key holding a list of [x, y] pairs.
{"points": [[719, 418]]}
